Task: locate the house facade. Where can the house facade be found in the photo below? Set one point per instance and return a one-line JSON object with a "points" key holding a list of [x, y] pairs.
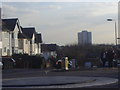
{"points": [[23, 44], [10, 30], [29, 41], [6, 43], [38, 41], [16, 39]]}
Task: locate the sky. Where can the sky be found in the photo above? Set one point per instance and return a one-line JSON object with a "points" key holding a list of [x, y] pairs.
{"points": [[60, 0], [59, 22]]}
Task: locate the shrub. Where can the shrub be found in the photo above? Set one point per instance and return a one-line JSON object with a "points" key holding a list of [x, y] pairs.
{"points": [[27, 61]]}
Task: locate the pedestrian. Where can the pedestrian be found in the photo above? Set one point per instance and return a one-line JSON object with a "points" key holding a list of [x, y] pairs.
{"points": [[110, 57], [103, 57], [116, 57]]}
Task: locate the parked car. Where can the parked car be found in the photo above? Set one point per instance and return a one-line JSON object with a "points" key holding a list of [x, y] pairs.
{"points": [[59, 64]]}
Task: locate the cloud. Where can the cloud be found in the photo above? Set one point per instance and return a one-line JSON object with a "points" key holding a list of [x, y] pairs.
{"points": [[60, 0], [60, 22], [58, 7], [7, 7], [105, 9], [9, 10]]}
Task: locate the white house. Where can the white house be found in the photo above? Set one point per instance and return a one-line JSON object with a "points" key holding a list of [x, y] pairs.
{"points": [[38, 41], [10, 30], [16, 39], [23, 43], [30, 33]]}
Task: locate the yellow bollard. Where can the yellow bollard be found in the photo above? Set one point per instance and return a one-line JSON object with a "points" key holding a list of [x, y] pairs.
{"points": [[66, 63]]}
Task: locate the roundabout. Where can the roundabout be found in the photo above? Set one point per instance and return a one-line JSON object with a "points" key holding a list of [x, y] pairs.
{"points": [[57, 82]]}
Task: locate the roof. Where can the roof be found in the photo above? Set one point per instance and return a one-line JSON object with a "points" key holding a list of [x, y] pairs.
{"points": [[9, 24], [48, 47], [28, 32], [22, 36], [38, 38]]}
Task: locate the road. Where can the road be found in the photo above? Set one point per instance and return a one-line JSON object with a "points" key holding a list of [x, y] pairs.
{"points": [[97, 72]]}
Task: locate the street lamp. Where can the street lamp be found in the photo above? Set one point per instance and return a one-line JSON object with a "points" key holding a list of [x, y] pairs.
{"points": [[115, 30]]}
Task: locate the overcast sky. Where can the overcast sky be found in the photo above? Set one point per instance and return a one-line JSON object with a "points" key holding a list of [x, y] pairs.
{"points": [[59, 22]]}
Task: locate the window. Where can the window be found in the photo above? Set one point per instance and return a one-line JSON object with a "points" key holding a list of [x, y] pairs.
{"points": [[4, 49], [8, 52], [30, 41], [20, 43], [12, 35], [0, 52], [26, 42], [6, 35], [15, 35], [16, 51], [12, 50]]}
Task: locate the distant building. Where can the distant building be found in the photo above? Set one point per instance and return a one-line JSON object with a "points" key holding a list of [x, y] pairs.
{"points": [[84, 38], [49, 50]]}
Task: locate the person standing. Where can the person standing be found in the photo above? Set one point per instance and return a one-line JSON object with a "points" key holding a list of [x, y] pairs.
{"points": [[103, 57], [110, 57]]}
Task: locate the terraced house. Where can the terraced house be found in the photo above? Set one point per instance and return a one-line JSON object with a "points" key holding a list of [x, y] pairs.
{"points": [[16, 39], [10, 30], [30, 41]]}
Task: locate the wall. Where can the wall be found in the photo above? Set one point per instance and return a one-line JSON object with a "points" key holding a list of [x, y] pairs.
{"points": [[15, 39], [5, 43], [37, 48], [26, 46]]}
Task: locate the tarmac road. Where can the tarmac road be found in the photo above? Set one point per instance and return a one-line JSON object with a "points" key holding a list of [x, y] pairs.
{"points": [[100, 72]]}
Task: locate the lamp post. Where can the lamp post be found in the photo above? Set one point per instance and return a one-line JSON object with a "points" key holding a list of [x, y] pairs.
{"points": [[115, 30]]}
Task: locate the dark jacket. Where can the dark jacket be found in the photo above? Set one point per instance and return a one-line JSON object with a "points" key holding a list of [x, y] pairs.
{"points": [[110, 55]]}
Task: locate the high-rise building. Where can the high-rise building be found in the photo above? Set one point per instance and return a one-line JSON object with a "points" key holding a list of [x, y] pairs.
{"points": [[84, 37]]}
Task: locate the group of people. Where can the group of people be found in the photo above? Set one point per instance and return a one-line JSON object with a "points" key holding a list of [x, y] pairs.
{"points": [[109, 55]]}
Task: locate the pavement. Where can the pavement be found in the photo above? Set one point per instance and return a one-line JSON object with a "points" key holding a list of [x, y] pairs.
{"points": [[57, 82]]}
